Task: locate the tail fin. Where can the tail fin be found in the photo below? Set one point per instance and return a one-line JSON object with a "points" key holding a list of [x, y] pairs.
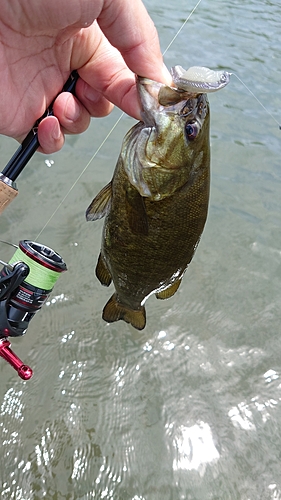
{"points": [[113, 311]]}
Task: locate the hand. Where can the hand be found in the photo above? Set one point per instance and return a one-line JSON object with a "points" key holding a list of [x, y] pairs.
{"points": [[107, 41]]}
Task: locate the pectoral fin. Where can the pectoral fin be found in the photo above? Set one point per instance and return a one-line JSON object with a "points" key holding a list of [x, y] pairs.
{"points": [[100, 204], [170, 291], [136, 212], [102, 273], [114, 311]]}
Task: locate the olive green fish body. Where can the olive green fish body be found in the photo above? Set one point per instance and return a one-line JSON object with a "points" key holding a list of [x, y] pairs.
{"points": [[144, 256], [156, 205]]}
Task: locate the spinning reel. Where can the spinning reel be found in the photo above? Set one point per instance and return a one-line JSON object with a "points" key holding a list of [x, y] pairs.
{"points": [[28, 279], [25, 284]]}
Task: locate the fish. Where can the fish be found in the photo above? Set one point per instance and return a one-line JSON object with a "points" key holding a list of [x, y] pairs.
{"points": [[155, 207]]}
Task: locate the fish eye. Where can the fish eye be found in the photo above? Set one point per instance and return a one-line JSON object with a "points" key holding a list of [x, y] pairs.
{"points": [[191, 130]]}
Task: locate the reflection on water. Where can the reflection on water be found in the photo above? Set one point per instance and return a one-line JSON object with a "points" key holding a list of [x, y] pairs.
{"points": [[195, 448], [188, 409]]}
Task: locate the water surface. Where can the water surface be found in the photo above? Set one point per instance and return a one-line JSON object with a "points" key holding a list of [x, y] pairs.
{"points": [[190, 408]]}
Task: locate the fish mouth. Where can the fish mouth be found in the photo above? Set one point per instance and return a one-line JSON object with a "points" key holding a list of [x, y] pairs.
{"points": [[155, 148], [148, 91], [158, 99], [197, 80]]}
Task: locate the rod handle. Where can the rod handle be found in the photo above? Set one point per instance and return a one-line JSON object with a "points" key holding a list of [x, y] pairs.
{"points": [[8, 192]]}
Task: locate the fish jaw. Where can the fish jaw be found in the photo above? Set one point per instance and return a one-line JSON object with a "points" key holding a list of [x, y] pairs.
{"points": [[148, 91], [158, 153]]}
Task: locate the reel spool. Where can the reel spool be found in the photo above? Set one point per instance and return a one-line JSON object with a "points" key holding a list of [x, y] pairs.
{"points": [[25, 284]]}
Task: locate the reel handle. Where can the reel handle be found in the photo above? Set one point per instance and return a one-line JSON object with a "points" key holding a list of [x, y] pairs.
{"points": [[24, 371]]}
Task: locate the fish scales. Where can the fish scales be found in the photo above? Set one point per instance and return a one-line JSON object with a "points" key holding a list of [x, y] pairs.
{"points": [[156, 205], [174, 226]]}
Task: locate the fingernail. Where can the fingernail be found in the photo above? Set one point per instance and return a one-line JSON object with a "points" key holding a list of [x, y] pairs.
{"points": [[56, 132], [72, 109], [91, 94]]}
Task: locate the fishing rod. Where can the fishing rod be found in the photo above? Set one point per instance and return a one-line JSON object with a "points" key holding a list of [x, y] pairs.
{"points": [[25, 284], [15, 275], [8, 188], [27, 280]]}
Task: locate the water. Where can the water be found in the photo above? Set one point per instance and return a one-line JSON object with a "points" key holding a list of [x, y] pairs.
{"points": [[190, 408]]}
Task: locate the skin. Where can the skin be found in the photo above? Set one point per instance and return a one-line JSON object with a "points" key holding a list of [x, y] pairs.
{"points": [[107, 41]]}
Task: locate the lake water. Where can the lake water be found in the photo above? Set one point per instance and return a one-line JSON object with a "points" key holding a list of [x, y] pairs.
{"points": [[190, 408]]}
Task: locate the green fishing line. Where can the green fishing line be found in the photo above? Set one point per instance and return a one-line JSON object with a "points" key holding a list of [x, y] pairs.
{"points": [[39, 276]]}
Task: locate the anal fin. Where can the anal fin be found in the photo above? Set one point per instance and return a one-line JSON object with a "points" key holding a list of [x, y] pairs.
{"points": [[114, 311], [102, 273], [170, 291]]}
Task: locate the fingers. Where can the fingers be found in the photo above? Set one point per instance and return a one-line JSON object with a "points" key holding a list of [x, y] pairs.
{"points": [[107, 55], [106, 71], [130, 29], [50, 136], [95, 103], [71, 116]]}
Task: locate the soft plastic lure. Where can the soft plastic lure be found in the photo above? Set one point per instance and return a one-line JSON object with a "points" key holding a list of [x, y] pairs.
{"points": [[199, 79]]}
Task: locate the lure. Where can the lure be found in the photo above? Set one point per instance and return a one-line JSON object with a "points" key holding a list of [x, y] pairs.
{"points": [[199, 79]]}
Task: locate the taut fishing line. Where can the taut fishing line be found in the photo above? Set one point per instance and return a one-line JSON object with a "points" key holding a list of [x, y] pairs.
{"points": [[109, 133], [182, 26], [122, 114], [28, 279], [260, 103], [80, 175]]}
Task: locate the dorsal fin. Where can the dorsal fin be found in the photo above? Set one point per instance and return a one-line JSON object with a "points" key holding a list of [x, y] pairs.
{"points": [[100, 204]]}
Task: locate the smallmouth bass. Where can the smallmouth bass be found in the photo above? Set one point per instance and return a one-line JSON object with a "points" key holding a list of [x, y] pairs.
{"points": [[156, 205]]}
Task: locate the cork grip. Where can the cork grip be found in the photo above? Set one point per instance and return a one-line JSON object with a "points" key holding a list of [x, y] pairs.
{"points": [[7, 194]]}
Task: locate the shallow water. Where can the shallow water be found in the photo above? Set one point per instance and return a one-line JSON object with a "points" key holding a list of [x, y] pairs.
{"points": [[190, 408]]}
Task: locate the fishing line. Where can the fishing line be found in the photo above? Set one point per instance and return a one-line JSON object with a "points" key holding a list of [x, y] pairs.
{"points": [[109, 133], [182, 26], [80, 175], [38, 276], [122, 114], [257, 99], [25, 285]]}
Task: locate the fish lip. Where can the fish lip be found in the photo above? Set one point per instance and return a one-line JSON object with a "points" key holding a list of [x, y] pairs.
{"points": [[156, 119], [196, 81], [151, 108], [148, 91], [153, 111]]}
